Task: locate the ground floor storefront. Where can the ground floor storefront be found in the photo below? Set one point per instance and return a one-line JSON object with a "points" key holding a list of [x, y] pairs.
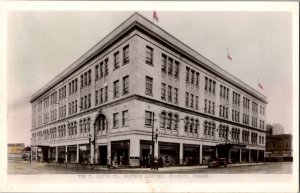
{"points": [[138, 153]]}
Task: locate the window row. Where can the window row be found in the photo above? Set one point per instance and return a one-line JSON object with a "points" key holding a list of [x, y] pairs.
{"points": [[125, 84], [235, 116], [261, 124], [86, 79], [85, 102], [224, 92], [223, 132], [62, 111], [254, 107], [62, 93], [125, 57], [73, 86], [261, 139], [209, 129], [223, 112], [170, 66], [62, 131], [53, 98], [169, 120], [209, 107], [246, 118], [85, 125], [73, 107], [101, 95], [245, 136], [254, 122], [101, 69], [46, 102], [254, 138], [262, 110], [72, 128], [210, 85], [192, 77], [246, 103], [125, 119], [236, 98], [235, 134], [53, 115], [171, 91], [191, 101]]}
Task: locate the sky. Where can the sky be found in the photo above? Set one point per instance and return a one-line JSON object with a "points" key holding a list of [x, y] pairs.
{"points": [[41, 44]]}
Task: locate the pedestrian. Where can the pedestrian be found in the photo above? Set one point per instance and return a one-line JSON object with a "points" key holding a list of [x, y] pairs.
{"points": [[166, 161]]}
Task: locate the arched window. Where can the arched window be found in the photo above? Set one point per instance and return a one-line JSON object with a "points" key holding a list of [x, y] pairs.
{"points": [[192, 125], [88, 124], [205, 128], [84, 126], [80, 125], [213, 127], [75, 128], [169, 121], [163, 119], [176, 121], [186, 126], [196, 125]]}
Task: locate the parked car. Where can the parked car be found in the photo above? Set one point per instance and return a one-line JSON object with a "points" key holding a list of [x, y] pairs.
{"points": [[25, 154], [217, 163]]}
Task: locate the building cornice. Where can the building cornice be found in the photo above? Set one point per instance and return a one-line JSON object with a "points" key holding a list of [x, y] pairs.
{"points": [[136, 21]]}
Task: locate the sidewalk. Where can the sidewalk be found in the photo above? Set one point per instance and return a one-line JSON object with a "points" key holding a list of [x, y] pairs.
{"points": [[170, 168]]}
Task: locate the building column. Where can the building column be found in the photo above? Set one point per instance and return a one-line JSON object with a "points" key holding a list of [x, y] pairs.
{"points": [[217, 154], [56, 154], [240, 155], [134, 152], [181, 154], [108, 153], [36, 153], [200, 155], [156, 149], [66, 154], [77, 153], [249, 155], [92, 153]]}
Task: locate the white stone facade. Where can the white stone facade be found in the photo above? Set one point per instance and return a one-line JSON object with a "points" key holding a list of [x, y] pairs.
{"points": [[187, 132]]}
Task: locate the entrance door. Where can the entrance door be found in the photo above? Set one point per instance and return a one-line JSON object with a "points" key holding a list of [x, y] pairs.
{"points": [[103, 155]]}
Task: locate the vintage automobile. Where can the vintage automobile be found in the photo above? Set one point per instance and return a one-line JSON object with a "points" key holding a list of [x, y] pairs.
{"points": [[217, 163]]}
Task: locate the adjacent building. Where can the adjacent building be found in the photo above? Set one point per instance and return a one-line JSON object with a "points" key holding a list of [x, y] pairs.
{"points": [[140, 90], [278, 144]]}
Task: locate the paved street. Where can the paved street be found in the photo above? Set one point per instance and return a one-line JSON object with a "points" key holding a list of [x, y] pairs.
{"points": [[24, 167]]}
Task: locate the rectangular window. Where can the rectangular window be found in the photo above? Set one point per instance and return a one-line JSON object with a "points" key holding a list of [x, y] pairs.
{"points": [[149, 84], [76, 82], [101, 95], [70, 88], [187, 76], [81, 84], [116, 89], [176, 95], [197, 79], [192, 101], [164, 64], [106, 67], [89, 100], [85, 102], [206, 83], [81, 103], [187, 99], [96, 72], [196, 102], [176, 69], [96, 97], [163, 91], [116, 120], [116, 60], [101, 70], [126, 54], [170, 66], [149, 55], [148, 118], [89, 77], [125, 85], [125, 118], [205, 105], [106, 93], [170, 93], [192, 76], [75, 106]]}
